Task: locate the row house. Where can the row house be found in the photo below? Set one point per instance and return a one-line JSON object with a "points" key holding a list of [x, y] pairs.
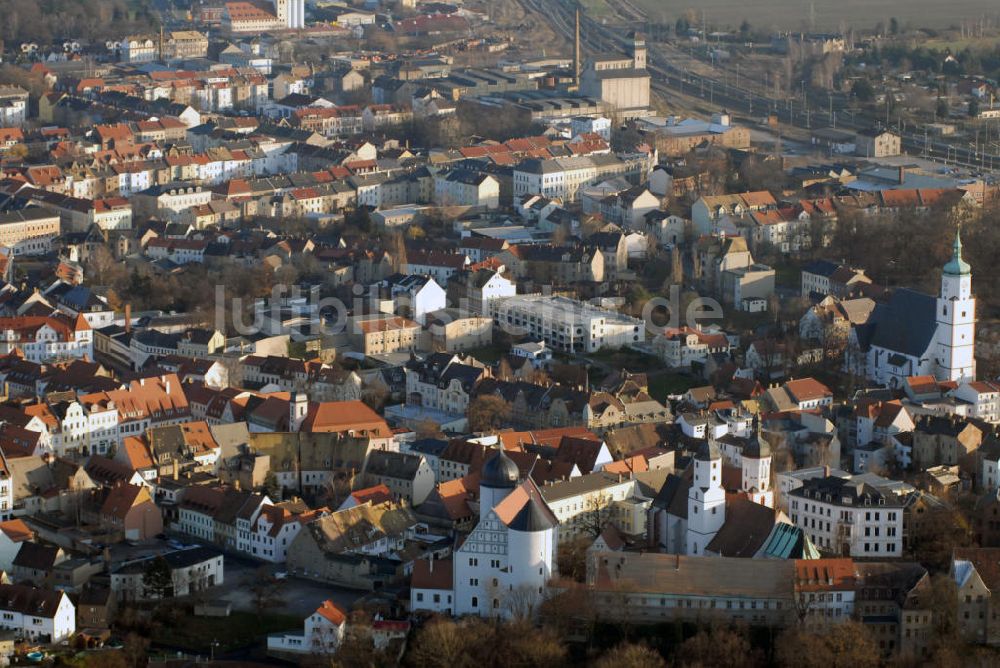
{"points": [[336, 122], [145, 403], [222, 516]]}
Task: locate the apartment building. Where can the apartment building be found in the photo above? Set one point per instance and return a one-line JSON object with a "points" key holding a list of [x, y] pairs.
{"points": [[848, 517], [29, 231], [566, 324]]}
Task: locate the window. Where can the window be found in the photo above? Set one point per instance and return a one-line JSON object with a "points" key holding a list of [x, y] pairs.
{"points": [[475, 601]]}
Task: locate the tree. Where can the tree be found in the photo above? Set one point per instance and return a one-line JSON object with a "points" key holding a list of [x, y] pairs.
{"points": [[441, 644], [264, 589], [863, 91], [893, 26], [595, 516], [571, 558], [630, 655], [718, 646], [846, 645], [488, 413], [157, 579], [973, 107], [942, 108], [745, 30], [271, 486]]}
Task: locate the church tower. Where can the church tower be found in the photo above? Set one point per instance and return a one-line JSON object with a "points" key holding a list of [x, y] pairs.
{"points": [[956, 320], [755, 462], [706, 499]]}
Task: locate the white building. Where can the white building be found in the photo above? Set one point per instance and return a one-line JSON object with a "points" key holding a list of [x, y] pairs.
{"points": [[274, 530], [463, 187], [564, 177], [566, 324], [914, 334], [191, 570], [44, 615], [681, 346], [504, 565], [415, 296], [706, 500], [47, 338], [848, 517], [575, 501], [13, 106], [322, 634], [983, 399], [591, 125]]}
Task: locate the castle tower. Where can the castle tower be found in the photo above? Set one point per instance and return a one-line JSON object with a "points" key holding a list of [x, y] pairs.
{"points": [[755, 461], [706, 500], [498, 478], [956, 320]]}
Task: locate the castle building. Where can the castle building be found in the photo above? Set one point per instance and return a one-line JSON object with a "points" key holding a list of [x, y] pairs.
{"points": [[914, 334], [502, 568]]}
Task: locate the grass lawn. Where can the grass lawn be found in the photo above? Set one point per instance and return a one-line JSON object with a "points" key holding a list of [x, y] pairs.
{"points": [[669, 383], [240, 629]]}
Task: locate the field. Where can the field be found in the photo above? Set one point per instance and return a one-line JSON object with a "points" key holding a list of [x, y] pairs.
{"points": [[829, 14]]}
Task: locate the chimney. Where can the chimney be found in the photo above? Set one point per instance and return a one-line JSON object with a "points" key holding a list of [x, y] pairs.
{"points": [[902, 174], [432, 563], [236, 484], [128, 317], [176, 469], [826, 471]]}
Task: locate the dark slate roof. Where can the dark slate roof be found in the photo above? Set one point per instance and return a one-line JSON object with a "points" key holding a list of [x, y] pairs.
{"points": [[906, 324], [499, 472], [393, 465], [821, 268]]}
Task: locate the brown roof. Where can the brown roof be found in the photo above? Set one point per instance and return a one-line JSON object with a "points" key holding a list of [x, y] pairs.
{"points": [[329, 610], [824, 574], [428, 574], [807, 389], [122, 499], [16, 530]]}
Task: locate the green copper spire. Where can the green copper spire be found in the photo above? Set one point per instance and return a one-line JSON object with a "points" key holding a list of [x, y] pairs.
{"points": [[956, 265]]}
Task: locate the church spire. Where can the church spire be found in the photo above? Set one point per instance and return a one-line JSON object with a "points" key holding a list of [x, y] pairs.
{"points": [[956, 265]]}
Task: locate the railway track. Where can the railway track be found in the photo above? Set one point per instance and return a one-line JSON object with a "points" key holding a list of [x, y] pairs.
{"points": [[672, 71]]}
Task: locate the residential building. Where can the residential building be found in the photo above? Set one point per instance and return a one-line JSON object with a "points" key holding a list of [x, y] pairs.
{"points": [[848, 517], [566, 324]]}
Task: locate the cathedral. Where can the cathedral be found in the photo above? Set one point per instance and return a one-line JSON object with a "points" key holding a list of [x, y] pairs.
{"points": [[914, 334]]}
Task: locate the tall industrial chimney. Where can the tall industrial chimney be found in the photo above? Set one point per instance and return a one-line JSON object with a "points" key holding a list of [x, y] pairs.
{"points": [[577, 64]]}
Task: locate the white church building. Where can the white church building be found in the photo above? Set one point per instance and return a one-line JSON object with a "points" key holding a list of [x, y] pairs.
{"points": [[693, 512], [914, 334], [503, 566]]}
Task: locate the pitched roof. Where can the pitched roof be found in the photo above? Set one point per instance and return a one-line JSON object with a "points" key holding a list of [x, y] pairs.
{"points": [[524, 509], [333, 614]]}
